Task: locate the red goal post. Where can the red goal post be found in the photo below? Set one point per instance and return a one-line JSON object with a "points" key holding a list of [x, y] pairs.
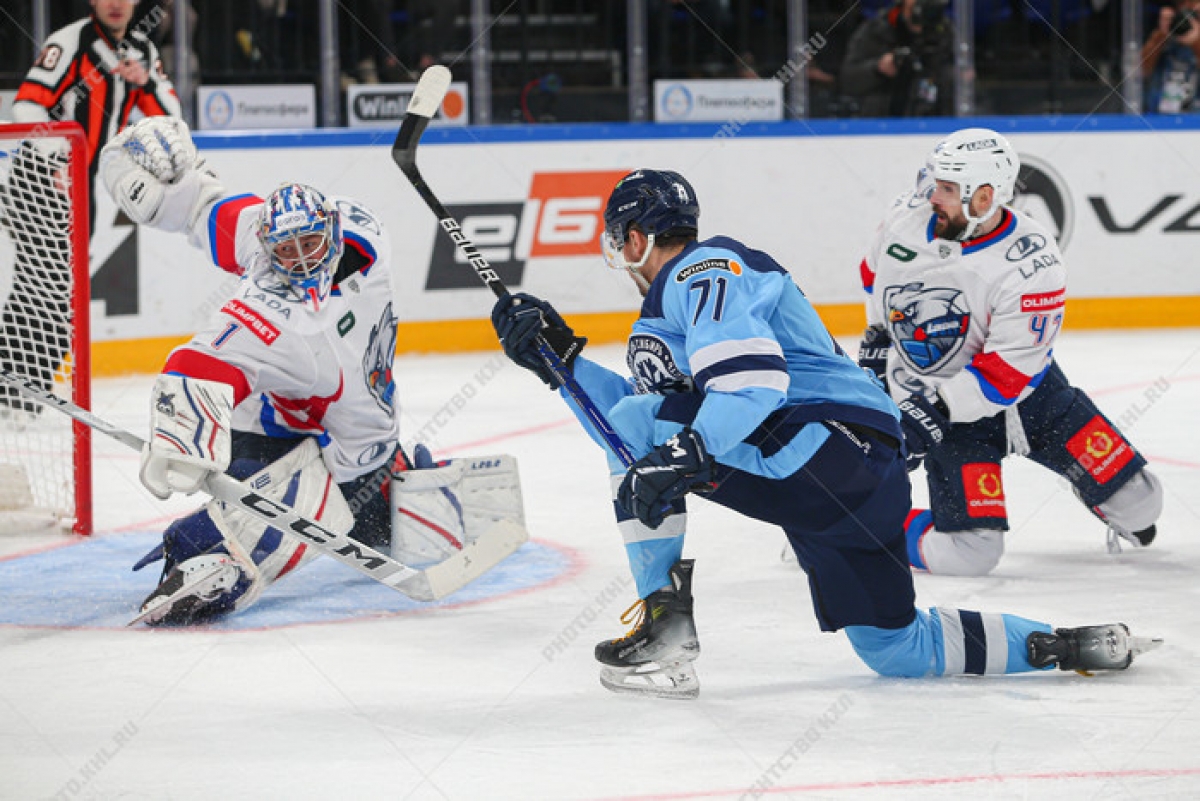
{"points": [[45, 295]]}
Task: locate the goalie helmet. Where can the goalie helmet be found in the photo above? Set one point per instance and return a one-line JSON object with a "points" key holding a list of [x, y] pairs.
{"points": [[656, 202], [302, 234], [975, 157]]}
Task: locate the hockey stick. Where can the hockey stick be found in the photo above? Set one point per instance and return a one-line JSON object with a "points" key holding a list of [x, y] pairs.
{"points": [[424, 104], [430, 584]]}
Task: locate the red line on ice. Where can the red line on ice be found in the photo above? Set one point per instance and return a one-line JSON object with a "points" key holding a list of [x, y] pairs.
{"points": [[930, 781]]}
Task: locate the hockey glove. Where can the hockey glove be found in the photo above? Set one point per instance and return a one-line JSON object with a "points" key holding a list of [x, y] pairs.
{"points": [[873, 352], [519, 319], [925, 426], [189, 435], [666, 473]]}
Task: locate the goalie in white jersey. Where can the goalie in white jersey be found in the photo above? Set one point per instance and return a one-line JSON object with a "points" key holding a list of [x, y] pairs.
{"points": [[965, 297], [289, 385]]}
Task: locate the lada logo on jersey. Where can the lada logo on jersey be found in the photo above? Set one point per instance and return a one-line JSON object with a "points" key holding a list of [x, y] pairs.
{"points": [[708, 264], [562, 217], [653, 367], [1025, 247], [929, 325]]}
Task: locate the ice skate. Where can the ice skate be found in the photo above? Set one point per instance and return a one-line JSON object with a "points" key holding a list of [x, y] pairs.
{"points": [[655, 657], [1106, 647], [186, 594], [1116, 534]]}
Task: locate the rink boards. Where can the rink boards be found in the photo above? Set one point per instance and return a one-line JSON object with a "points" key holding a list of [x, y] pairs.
{"points": [[1121, 197]]}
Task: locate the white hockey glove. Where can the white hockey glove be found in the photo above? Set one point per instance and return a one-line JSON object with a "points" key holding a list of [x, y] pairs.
{"points": [[155, 174], [189, 434]]}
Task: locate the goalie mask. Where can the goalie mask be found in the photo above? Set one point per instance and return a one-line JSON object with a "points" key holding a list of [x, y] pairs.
{"points": [[656, 202], [975, 157], [302, 234]]}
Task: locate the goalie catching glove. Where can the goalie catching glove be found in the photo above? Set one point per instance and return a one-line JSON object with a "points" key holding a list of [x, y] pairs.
{"points": [[519, 319], [189, 434], [155, 174]]}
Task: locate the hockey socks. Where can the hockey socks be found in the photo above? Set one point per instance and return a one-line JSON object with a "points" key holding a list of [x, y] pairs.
{"points": [[947, 642]]}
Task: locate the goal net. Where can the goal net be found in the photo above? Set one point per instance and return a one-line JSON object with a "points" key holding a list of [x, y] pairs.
{"points": [[45, 459]]}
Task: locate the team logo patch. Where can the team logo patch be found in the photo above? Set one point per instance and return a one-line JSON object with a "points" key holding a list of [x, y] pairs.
{"points": [[1044, 301], [252, 320], [378, 360], [359, 216], [1100, 450], [929, 325], [653, 366], [984, 490], [729, 265], [1025, 247]]}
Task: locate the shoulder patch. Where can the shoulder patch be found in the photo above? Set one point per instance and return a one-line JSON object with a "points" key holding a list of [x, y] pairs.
{"points": [[258, 326], [900, 253], [49, 57], [729, 265], [653, 367]]}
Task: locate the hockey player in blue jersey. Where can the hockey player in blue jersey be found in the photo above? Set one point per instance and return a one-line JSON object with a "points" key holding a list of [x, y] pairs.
{"points": [[740, 395]]}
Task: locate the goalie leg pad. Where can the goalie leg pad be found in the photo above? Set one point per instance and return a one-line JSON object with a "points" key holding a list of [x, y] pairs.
{"points": [[261, 554], [438, 511]]}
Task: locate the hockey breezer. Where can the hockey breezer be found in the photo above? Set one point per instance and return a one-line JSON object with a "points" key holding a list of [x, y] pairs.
{"points": [[430, 584], [426, 99]]}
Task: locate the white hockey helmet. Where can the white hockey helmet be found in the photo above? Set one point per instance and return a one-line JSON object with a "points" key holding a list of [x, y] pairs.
{"points": [[975, 157]]}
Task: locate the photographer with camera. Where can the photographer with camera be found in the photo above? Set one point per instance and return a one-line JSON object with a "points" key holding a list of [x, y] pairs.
{"points": [[1169, 59], [897, 63]]}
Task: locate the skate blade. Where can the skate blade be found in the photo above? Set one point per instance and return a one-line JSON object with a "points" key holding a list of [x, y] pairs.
{"points": [[676, 680], [1142, 645], [160, 607]]}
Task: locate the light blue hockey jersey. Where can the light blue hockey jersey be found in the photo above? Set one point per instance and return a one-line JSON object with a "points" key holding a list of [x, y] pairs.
{"points": [[727, 336]]}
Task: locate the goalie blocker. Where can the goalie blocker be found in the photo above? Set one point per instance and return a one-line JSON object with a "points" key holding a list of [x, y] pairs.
{"points": [[219, 560]]}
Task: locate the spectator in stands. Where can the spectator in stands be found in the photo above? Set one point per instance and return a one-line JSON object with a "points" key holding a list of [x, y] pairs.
{"points": [[898, 63], [368, 42], [433, 32], [1169, 59]]}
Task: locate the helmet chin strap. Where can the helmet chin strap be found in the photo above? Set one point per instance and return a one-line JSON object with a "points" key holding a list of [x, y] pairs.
{"points": [[973, 222]]}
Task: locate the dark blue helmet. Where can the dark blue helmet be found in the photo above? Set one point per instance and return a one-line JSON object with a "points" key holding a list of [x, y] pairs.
{"points": [[658, 202]]}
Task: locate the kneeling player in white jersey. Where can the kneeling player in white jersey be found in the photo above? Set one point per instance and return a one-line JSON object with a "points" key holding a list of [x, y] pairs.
{"points": [[965, 297], [289, 386]]}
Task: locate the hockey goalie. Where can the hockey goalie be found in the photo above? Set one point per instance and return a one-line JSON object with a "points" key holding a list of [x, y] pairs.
{"points": [[288, 387]]}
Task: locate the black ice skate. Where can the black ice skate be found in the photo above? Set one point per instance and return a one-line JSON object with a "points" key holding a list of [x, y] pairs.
{"points": [[1107, 647], [1137, 539], [190, 591], [655, 657]]}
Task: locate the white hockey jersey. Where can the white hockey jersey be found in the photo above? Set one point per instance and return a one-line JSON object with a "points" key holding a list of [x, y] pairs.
{"points": [[295, 371], [975, 320]]}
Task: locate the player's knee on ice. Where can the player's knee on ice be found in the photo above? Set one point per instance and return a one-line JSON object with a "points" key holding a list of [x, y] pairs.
{"points": [[960, 553]]}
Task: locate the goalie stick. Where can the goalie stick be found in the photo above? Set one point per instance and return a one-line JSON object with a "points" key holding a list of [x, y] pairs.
{"points": [[424, 103], [429, 584]]}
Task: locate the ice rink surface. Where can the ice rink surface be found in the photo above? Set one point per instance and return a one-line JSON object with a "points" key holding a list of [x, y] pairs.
{"points": [[496, 695]]}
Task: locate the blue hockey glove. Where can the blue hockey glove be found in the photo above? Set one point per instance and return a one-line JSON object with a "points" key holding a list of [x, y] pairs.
{"points": [[519, 318], [666, 473], [925, 425], [873, 352]]}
